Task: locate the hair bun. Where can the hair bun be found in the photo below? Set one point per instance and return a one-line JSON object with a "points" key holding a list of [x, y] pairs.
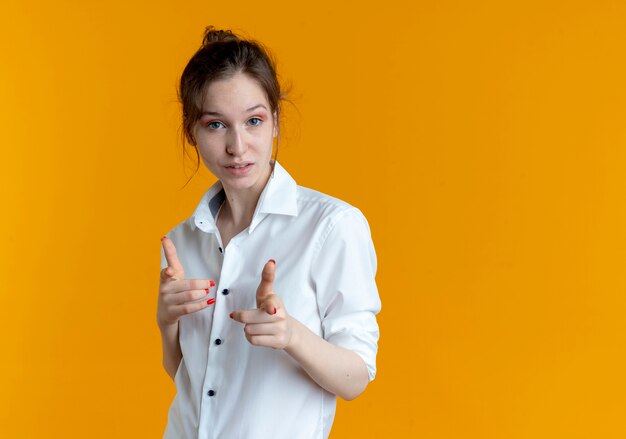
{"points": [[212, 35]]}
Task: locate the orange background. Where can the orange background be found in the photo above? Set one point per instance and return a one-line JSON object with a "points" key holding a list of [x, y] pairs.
{"points": [[483, 140]]}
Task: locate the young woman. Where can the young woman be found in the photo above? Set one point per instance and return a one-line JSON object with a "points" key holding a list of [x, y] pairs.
{"points": [[267, 299]]}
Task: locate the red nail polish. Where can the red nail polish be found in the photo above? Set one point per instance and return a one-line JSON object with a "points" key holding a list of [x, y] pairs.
{"points": [[231, 315], [274, 310], [272, 261], [207, 290], [211, 301], [162, 238], [211, 284]]}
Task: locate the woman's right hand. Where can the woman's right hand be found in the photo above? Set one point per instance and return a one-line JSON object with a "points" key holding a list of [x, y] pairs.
{"points": [[179, 296]]}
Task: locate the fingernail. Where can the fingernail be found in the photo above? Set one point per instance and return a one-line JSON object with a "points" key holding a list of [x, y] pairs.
{"points": [[274, 310], [207, 290], [272, 261], [211, 284], [162, 238], [231, 315], [211, 301]]}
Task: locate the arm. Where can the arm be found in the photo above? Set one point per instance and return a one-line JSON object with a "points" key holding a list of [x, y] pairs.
{"points": [[175, 295], [343, 360], [172, 355], [344, 276], [337, 370]]}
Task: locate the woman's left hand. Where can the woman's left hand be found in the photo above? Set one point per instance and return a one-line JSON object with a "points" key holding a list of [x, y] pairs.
{"points": [[269, 325]]}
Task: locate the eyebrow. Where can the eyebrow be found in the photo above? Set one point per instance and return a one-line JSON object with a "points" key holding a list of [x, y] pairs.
{"points": [[215, 113]]}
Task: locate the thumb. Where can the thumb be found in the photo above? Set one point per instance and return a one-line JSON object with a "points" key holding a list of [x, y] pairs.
{"points": [[272, 304], [266, 286], [174, 269]]}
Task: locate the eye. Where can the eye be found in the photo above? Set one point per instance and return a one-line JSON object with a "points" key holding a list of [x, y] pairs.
{"points": [[215, 125], [255, 121]]}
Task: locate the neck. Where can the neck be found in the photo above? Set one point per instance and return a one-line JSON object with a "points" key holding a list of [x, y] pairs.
{"points": [[238, 209], [239, 206]]}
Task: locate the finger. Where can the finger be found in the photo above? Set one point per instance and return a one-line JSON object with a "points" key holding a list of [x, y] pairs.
{"points": [[271, 304], [172, 258], [167, 273], [185, 296], [251, 316], [266, 286], [261, 329], [192, 307], [263, 340], [178, 286]]}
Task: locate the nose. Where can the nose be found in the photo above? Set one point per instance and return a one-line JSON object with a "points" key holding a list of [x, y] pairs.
{"points": [[235, 142]]}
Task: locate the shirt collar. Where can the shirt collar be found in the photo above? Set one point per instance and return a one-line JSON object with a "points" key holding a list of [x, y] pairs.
{"points": [[278, 197]]}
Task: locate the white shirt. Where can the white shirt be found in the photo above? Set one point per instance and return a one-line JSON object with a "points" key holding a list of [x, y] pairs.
{"points": [[325, 268]]}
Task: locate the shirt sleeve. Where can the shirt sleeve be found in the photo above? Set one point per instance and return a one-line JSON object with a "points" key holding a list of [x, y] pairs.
{"points": [[344, 277]]}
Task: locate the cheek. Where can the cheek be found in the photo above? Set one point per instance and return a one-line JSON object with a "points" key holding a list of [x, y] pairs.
{"points": [[207, 155], [209, 145], [268, 140], [205, 160], [267, 148]]}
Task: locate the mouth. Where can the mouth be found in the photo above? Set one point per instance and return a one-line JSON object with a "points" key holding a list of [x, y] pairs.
{"points": [[239, 169], [238, 165]]}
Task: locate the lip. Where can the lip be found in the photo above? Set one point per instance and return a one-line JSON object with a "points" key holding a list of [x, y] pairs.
{"points": [[238, 172], [237, 164]]}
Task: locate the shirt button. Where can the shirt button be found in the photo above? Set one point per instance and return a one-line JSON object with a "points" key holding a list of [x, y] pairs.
{"points": [[225, 291], [220, 249], [210, 392], [218, 341]]}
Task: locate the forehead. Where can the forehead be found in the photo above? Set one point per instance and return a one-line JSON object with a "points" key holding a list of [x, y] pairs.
{"points": [[234, 94]]}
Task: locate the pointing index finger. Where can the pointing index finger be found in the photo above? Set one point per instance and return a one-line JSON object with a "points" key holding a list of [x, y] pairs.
{"points": [[172, 258], [266, 286]]}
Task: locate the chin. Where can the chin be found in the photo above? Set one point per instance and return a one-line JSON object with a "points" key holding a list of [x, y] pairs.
{"points": [[246, 182]]}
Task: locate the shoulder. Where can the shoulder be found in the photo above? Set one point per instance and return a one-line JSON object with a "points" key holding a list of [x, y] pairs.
{"points": [[315, 200], [327, 210]]}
